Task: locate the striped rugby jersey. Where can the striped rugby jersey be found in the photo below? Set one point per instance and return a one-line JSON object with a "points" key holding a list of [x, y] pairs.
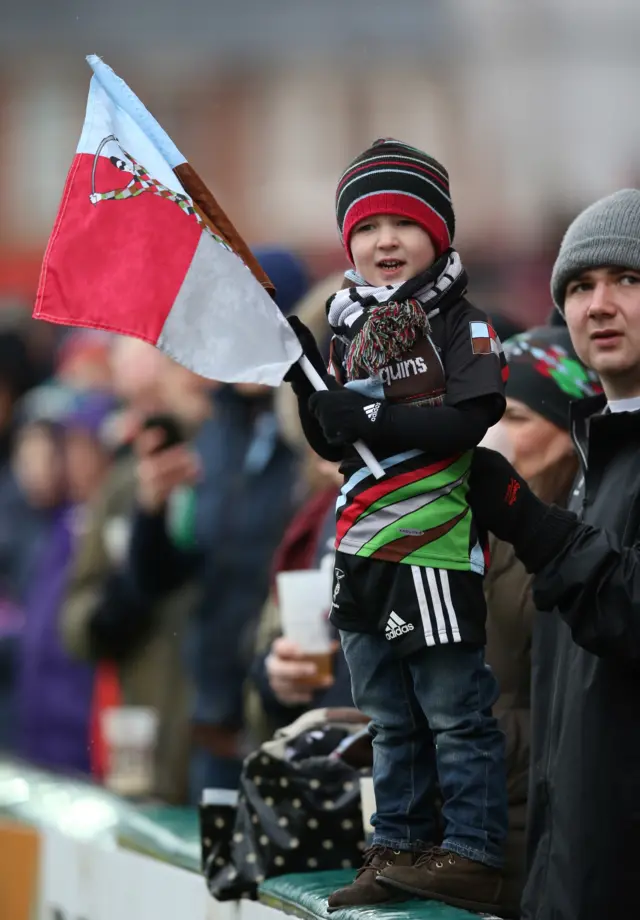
{"points": [[419, 514]]}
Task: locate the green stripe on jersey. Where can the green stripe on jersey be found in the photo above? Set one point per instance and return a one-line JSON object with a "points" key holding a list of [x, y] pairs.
{"points": [[450, 551], [426, 518], [427, 484]]}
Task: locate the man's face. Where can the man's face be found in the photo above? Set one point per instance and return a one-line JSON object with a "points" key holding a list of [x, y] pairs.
{"points": [[602, 309], [390, 249]]}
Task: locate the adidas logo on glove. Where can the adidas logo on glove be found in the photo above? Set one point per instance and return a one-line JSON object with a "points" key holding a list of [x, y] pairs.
{"points": [[372, 410], [396, 627]]}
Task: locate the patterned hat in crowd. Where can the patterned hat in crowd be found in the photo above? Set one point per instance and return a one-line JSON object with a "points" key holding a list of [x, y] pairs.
{"points": [[394, 178], [546, 374]]}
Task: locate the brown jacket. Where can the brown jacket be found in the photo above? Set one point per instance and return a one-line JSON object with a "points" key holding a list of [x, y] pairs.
{"points": [[509, 623], [510, 613], [153, 675]]}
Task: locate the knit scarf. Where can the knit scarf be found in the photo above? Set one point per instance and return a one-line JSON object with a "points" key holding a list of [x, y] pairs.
{"points": [[380, 324]]}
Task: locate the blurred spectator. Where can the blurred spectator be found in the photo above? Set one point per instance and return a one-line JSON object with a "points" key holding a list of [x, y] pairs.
{"points": [[242, 503], [274, 693], [20, 524], [15, 379], [83, 360], [61, 464], [105, 619]]}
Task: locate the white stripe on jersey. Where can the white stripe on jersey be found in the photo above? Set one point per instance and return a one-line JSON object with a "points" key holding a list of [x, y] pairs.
{"points": [[446, 593], [365, 473], [416, 571], [437, 606], [441, 605]]}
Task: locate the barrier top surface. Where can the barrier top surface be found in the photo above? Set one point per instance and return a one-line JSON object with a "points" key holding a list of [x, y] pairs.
{"points": [[305, 895]]}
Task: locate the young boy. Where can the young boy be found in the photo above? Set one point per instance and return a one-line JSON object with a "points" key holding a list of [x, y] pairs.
{"points": [[418, 373]]}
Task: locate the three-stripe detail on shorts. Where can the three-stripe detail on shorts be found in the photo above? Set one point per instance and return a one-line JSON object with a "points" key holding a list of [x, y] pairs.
{"points": [[439, 620]]}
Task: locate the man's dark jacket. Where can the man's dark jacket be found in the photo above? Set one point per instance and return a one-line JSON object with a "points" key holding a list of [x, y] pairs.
{"points": [[584, 830]]}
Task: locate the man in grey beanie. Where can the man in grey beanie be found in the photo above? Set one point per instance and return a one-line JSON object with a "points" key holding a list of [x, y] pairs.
{"points": [[584, 805], [605, 234]]}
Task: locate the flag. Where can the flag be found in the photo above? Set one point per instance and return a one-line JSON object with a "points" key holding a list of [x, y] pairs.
{"points": [[140, 247]]}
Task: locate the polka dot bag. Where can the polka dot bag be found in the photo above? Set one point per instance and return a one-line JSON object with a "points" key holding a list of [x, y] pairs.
{"points": [[298, 806]]}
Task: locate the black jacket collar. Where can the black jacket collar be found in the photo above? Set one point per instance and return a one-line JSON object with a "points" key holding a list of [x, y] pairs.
{"points": [[609, 431]]}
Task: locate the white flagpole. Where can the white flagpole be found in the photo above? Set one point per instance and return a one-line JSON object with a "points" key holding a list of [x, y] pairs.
{"points": [[318, 383]]}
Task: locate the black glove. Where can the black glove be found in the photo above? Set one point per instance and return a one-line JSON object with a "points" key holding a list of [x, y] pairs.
{"points": [[295, 375], [503, 503], [346, 416]]}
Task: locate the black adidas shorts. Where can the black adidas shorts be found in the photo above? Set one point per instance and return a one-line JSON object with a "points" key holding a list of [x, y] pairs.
{"points": [[412, 606]]}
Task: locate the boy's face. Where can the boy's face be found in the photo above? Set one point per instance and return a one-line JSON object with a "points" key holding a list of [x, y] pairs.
{"points": [[390, 249]]}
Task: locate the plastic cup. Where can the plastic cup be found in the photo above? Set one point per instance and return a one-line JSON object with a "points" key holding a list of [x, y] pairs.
{"points": [[130, 733], [304, 598]]}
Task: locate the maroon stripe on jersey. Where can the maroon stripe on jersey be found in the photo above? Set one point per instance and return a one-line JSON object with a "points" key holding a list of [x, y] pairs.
{"points": [[404, 546]]}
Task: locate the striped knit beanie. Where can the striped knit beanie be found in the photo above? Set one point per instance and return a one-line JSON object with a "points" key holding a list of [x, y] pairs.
{"points": [[394, 178]]}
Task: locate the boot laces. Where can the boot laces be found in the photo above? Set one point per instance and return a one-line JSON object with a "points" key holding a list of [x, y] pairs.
{"points": [[435, 856], [369, 858]]}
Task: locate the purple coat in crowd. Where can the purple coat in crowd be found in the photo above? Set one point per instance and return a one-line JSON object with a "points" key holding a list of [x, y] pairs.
{"points": [[54, 691]]}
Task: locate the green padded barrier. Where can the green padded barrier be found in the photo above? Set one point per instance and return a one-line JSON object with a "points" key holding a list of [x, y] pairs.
{"points": [[305, 895], [164, 832], [83, 811]]}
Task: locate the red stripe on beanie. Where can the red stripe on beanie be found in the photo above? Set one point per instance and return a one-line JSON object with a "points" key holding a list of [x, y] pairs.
{"points": [[402, 205]]}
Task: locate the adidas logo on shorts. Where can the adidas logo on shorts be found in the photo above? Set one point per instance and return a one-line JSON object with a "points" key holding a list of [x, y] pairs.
{"points": [[372, 410], [396, 627]]}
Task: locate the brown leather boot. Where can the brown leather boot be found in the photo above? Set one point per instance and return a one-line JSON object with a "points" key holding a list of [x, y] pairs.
{"points": [[441, 875], [364, 890]]}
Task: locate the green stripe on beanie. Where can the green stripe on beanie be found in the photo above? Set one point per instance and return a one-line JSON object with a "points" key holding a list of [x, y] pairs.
{"points": [[545, 373]]}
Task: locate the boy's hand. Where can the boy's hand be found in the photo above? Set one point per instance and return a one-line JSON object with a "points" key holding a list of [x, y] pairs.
{"points": [[345, 416], [295, 375], [503, 504]]}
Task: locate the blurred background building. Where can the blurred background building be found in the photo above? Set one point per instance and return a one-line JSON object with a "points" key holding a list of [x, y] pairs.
{"points": [[530, 106]]}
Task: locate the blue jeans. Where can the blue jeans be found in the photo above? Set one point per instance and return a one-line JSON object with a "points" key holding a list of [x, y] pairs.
{"points": [[432, 725]]}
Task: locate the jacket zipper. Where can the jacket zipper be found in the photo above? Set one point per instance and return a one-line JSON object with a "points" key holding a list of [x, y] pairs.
{"points": [[576, 441]]}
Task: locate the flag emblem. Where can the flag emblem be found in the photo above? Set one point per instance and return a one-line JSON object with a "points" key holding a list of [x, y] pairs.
{"points": [[141, 181], [484, 339]]}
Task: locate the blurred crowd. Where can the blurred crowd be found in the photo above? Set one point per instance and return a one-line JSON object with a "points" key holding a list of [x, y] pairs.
{"points": [[144, 512]]}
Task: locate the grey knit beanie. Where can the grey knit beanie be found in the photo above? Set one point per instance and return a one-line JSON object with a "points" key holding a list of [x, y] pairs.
{"points": [[606, 233]]}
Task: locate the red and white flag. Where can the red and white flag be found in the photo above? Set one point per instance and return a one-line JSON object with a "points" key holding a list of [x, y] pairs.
{"points": [[134, 251]]}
